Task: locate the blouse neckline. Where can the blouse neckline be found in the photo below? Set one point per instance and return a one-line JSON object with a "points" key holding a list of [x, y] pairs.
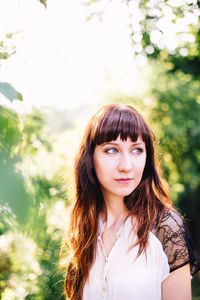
{"points": [[122, 232]]}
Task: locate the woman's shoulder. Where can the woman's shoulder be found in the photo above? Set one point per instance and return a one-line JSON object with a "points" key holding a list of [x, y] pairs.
{"points": [[176, 240], [169, 227], [171, 221]]}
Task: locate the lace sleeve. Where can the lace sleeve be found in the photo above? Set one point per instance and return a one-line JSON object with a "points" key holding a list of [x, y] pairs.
{"points": [[177, 243]]}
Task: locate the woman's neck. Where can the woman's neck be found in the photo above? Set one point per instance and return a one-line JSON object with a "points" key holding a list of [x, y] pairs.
{"points": [[116, 212]]}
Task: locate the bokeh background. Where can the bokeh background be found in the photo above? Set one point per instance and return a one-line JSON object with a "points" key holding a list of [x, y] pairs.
{"points": [[60, 61]]}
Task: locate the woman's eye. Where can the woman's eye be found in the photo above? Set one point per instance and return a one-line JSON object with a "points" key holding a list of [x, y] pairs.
{"points": [[111, 150], [137, 150]]}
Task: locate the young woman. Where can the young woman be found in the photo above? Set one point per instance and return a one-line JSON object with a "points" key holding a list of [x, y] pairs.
{"points": [[125, 240]]}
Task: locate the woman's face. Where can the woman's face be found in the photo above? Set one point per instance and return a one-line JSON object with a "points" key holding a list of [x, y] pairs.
{"points": [[119, 166]]}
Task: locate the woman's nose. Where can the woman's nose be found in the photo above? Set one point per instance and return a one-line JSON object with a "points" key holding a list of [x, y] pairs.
{"points": [[125, 162]]}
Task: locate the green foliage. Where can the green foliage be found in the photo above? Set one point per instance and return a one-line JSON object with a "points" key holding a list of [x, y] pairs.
{"points": [[32, 211], [9, 140], [178, 113]]}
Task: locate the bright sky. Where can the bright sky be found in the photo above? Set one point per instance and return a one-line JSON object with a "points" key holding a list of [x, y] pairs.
{"points": [[60, 59], [63, 61]]}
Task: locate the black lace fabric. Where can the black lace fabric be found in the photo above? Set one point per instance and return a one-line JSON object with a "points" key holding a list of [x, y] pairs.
{"points": [[177, 242]]}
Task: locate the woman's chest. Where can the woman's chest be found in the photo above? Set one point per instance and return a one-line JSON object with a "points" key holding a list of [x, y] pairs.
{"points": [[122, 275]]}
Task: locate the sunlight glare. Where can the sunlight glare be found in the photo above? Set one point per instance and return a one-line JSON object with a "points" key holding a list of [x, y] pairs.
{"points": [[60, 59]]}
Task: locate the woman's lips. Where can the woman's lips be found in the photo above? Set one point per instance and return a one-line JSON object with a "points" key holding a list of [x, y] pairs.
{"points": [[123, 180]]}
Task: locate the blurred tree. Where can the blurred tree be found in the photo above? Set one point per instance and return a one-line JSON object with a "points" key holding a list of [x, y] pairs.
{"points": [[32, 211], [10, 138], [177, 111]]}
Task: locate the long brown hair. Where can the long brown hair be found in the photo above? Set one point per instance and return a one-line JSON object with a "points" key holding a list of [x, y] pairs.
{"points": [[146, 202]]}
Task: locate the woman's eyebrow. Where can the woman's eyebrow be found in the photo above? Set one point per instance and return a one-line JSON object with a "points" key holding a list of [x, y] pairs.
{"points": [[116, 144]]}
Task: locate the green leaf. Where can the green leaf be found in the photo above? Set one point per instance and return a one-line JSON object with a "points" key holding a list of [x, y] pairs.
{"points": [[9, 92], [44, 2], [20, 97]]}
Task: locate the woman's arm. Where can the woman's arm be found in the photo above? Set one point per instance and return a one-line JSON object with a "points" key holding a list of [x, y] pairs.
{"points": [[177, 286]]}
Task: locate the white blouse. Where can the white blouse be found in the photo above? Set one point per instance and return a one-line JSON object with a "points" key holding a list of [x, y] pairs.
{"points": [[120, 275]]}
